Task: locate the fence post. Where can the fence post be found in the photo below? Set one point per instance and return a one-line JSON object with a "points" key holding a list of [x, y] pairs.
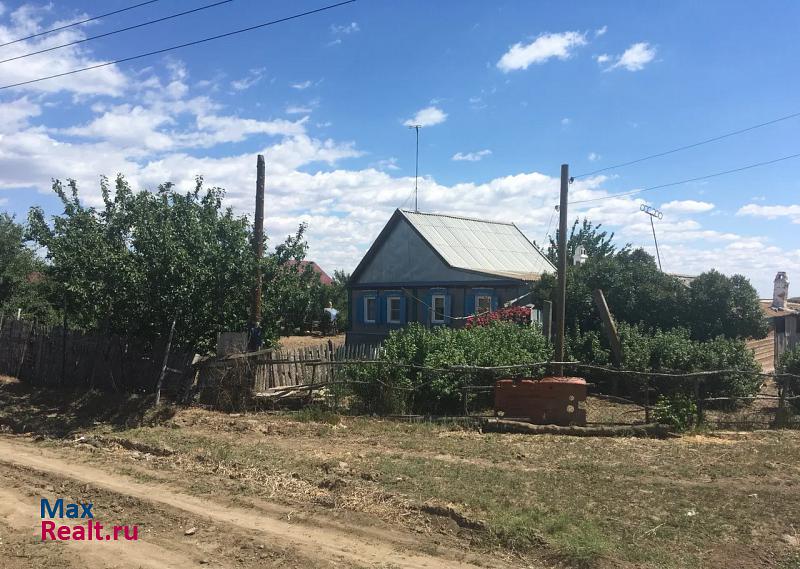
{"points": [[698, 401], [164, 364], [647, 399]]}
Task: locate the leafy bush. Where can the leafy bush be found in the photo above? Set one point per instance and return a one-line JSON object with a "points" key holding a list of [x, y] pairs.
{"points": [[395, 389], [790, 363], [678, 411], [673, 351]]}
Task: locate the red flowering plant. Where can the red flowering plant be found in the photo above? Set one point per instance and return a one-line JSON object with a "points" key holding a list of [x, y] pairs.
{"points": [[517, 314]]}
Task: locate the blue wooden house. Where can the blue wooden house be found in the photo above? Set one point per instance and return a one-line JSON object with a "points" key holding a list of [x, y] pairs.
{"points": [[437, 270]]}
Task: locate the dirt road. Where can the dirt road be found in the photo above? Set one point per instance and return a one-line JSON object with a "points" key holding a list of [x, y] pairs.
{"points": [[226, 536]]}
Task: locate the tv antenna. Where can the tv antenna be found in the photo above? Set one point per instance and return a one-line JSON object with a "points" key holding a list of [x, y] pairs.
{"points": [[416, 127], [653, 213]]}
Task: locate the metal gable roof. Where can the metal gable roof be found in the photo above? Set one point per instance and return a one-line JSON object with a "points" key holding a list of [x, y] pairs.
{"points": [[489, 247]]}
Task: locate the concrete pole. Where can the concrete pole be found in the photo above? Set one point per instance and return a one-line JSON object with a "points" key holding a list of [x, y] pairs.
{"points": [[258, 243], [561, 297]]}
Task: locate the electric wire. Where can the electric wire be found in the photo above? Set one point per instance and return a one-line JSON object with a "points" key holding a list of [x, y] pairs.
{"points": [[687, 180], [111, 33], [65, 26], [187, 44], [688, 146]]}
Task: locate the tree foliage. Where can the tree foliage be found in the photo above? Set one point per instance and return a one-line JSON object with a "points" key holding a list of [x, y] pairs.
{"points": [[597, 243], [637, 292], [146, 258], [22, 281]]}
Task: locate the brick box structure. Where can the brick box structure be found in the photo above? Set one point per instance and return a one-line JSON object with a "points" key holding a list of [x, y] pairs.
{"points": [[549, 401]]}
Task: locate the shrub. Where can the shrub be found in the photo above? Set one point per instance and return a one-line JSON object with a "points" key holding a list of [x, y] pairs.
{"points": [[673, 351], [678, 411], [790, 363], [394, 389]]}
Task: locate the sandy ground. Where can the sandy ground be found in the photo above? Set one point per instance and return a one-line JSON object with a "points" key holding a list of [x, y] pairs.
{"points": [[226, 536]]}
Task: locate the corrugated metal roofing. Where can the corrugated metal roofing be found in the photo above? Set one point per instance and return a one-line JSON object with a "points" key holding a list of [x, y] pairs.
{"points": [[490, 247]]}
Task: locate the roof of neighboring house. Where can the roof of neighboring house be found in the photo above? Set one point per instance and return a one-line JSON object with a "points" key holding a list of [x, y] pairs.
{"points": [[790, 309], [323, 276], [488, 247]]}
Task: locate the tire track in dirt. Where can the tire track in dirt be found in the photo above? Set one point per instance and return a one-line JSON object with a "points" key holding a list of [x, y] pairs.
{"points": [[324, 544], [21, 515]]}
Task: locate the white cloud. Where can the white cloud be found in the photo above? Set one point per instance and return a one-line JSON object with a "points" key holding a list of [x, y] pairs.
{"points": [[633, 59], [566, 121], [301, 86], [687, 206], [771, 211], [593, 157], [27, 20], [600, 31], [542, 49], [15, 114], [345, 29], [387, 164], [471, 156], [253, 77], [428, 116], [298, 110]]}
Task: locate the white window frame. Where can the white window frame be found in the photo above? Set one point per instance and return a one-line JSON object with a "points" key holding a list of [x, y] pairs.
{"points": [[434, 297], [478, 298], [389, 301], [366, 309]]}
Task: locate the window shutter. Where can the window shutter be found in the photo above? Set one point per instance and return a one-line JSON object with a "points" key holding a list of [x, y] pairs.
{"points": [[360, 317], [470, 303], [428, 309], [448, 306], [403, 317], [495, 302]]}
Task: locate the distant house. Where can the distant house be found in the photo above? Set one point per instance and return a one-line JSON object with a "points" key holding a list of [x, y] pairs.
{"points": [[323, 276], [783, 316], [437, 270]]}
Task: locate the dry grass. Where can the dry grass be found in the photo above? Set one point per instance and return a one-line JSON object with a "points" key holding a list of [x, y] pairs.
{"points": [[584, 502], [708, 499]]}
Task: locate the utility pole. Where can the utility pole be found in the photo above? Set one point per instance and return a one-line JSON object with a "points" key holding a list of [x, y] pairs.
{"points": [[254, 339], [653, 213], [416, 127], [561, 298]]}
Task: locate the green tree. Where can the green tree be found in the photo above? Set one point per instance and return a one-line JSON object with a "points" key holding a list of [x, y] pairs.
{"points": [[637, 292], [595, 242], [22, 281], [147, 258], [724, 306]]}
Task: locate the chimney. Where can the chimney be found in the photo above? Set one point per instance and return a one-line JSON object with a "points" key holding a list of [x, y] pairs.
{"points": [[780, 291]]}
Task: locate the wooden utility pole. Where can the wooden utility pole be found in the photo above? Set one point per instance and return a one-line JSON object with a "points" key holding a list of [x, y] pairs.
{"points": [[561, 297], [258, 245]]}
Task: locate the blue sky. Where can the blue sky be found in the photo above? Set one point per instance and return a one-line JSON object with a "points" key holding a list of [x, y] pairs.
{"points": [[507, 91]]}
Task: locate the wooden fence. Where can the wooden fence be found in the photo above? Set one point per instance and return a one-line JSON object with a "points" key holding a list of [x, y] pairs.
{"points": [[243, 375], [53, 357]]}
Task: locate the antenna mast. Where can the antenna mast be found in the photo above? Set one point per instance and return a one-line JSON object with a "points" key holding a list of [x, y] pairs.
{"points": [[416, 127], [653, 213]]}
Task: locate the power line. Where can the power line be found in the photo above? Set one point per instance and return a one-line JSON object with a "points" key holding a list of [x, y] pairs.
{"points": [[688, 146], [65, 26], [111, 33], [188, 44], [686, 181]]}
